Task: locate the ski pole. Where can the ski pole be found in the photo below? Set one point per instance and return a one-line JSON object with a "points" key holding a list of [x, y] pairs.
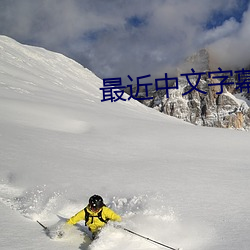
{"points": [[45, 228], [146, 238]]}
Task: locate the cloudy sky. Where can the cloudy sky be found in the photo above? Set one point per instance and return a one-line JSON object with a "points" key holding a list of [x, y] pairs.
{"points": [[116, 38]]}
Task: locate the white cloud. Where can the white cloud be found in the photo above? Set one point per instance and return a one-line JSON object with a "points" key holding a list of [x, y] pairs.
{"points": [[228, 28], [233, 49], [97, 33]]}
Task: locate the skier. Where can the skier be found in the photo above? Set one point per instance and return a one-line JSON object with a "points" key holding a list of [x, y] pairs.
{"points": [[95, 214]]}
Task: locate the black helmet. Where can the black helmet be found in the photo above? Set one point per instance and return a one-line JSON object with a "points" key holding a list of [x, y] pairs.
{"points": [[96, 202]]}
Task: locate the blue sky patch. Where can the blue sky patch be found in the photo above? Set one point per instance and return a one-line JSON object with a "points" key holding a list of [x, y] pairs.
{"points": [[136, 21], [219, 16]]}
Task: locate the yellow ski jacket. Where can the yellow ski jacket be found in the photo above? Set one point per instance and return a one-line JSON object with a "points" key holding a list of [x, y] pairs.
{"points": [[94, 223]]}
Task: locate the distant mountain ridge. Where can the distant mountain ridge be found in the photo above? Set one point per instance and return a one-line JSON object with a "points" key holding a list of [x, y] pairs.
{"points": [[227, 110]]}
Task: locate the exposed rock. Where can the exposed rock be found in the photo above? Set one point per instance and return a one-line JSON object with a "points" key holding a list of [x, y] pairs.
{"points": [[199, 61], [216, 107], [211, 109]]}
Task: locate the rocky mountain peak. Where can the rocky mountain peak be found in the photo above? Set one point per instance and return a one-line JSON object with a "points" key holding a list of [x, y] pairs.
{"points": [[228, 109], [199, 61]]}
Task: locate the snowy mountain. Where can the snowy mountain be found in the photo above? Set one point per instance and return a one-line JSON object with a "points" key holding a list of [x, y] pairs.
{"points": [[206, 107], [179, 184]]}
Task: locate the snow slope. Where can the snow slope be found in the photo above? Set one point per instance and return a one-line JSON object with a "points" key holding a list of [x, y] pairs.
{"points": [[176, 183]]}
